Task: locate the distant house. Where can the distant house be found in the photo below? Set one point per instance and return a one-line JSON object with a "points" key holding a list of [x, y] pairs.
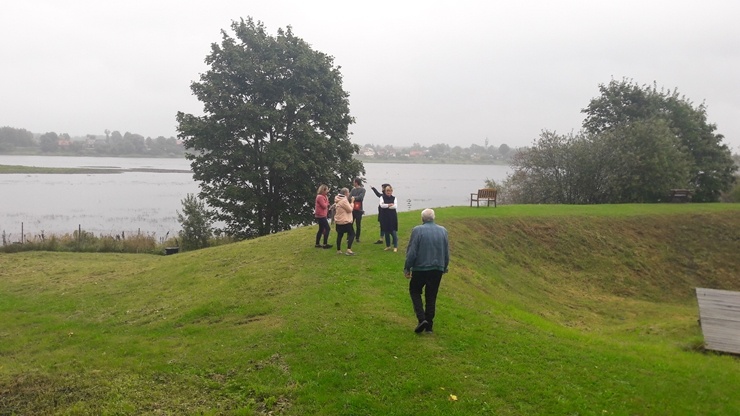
{"points": [[95, 142], [367, 151]]}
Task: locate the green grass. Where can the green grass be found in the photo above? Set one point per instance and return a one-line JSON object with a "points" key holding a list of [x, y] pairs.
{"points": [[547, 310]]}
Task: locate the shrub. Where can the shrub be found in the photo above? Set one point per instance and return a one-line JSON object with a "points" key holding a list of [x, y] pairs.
{"points": [[734, 194], [196, 222]]}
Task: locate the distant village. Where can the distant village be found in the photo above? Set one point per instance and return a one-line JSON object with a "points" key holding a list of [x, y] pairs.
{"points": [[438, 153], [113, 143]]}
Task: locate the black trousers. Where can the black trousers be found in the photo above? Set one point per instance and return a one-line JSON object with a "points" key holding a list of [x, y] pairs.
{"points": [[324, 230], [431, 279], [357, 219], [345, 229]]}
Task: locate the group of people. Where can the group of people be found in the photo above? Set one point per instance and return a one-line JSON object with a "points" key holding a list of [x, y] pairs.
{"points": [[348, 210], [427, 253]]}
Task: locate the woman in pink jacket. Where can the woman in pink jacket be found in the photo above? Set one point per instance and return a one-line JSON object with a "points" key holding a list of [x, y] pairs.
{"points": [[321, 211], [343, 220]]}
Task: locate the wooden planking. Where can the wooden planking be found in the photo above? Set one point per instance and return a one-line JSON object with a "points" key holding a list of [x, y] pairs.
{"points": [[719, 314], [680, 195], [487, 194]]}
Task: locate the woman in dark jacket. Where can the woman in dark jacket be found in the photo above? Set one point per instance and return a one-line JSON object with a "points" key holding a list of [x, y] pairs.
{"points": [[388, 218], [379, 195]]}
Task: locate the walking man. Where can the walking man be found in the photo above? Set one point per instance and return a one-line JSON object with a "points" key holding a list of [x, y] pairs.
{"points": [[427, 258]]}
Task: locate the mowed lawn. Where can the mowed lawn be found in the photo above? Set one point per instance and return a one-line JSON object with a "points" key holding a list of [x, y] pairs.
{"points": [[546, 310]]}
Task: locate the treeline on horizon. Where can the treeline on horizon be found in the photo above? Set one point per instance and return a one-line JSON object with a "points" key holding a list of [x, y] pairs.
{"points": [[113, 143], [486, 154]]}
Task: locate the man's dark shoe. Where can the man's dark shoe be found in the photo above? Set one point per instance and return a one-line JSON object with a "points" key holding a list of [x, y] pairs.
{"points": [[318, 246], [357, 241], [421, 327], [429, 328], [378, 242], [328, 246]]}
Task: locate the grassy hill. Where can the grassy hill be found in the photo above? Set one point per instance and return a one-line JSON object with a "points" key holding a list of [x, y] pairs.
{"points": [[546, 310]]}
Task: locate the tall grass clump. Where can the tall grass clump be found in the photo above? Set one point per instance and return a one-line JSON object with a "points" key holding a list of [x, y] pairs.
{"points": [[84, 241], [88, 242]]}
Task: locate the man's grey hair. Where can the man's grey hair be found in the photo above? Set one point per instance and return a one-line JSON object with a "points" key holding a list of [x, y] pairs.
{"points": [[344, 191], [427, 215]]}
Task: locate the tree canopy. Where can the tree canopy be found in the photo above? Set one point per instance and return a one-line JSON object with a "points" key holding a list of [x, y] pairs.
{"points": [[275, 126], [625, 103], [638, 142], [10, 138]]}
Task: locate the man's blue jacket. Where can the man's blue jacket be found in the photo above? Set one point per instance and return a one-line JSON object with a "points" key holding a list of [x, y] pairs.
{"points": [[428, 248]]}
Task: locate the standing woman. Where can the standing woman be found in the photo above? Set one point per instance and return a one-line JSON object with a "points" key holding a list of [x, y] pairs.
{"points": [[321, 211], [358, 193], [379, 195], [343, 220], [389, 218]]}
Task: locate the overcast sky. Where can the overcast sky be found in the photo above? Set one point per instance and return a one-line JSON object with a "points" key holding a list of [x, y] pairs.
{"points": [[434, 71]]}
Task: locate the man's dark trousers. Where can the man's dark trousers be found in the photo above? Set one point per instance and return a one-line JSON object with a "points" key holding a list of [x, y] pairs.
{"points": [[431, 279]]}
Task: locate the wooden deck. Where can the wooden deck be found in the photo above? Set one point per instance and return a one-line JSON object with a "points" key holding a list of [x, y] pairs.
{"points": [[719, 313]]}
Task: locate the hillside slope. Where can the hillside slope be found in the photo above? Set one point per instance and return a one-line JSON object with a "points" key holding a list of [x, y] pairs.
{"points": [[546, 310]]}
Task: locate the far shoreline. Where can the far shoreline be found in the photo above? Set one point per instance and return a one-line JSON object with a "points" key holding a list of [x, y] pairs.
{"points": [[17, 169]]}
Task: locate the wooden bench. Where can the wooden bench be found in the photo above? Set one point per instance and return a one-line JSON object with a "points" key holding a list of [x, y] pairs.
{"points": [[680, 195], [719, 316], [485, 194]]}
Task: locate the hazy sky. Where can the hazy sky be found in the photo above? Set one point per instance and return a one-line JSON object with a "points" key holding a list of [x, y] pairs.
{"points": [[433, 71]]}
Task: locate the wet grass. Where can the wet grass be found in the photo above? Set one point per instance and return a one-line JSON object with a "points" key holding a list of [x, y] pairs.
{"points": [[549, 310]]}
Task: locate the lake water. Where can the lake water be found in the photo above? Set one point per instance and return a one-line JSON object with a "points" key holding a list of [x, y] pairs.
{"points": [[142, 202]]}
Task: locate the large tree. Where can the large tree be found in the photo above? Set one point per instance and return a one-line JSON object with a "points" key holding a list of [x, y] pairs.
{"points": [[275, 126], [638, 162], [624, 103], [49, 142]]}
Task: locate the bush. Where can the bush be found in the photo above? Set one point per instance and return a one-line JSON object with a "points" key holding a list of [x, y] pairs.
{"points": [[196, 222], [734, 194]]}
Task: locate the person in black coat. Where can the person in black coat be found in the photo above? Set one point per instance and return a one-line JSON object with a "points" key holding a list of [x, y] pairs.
{"points": [[380, 194], [388, 218]]}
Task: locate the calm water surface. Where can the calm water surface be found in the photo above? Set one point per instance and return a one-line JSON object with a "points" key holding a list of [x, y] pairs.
{"points": [[148, 202]]}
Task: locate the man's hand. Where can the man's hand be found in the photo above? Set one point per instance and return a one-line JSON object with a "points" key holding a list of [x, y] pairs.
{"points": [[407, 273]]}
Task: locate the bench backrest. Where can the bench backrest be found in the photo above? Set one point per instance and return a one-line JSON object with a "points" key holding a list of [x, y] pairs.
{"points": [[487, 193]]}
